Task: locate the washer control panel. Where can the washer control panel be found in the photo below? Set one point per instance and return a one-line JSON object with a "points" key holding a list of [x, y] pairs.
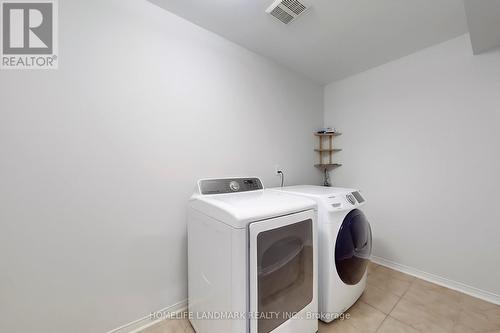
{"points": [[358, 197], [342, 200], [351, 199], [354, 198], [229, 185]]}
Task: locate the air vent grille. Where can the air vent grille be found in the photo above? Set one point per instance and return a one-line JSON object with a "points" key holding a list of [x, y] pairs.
{"points": [[287, 10], [281, 15], [296, 7]]}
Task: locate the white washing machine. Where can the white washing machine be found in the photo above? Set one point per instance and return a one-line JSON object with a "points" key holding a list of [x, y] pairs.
{"points": [[345, 242], [252, 259]]}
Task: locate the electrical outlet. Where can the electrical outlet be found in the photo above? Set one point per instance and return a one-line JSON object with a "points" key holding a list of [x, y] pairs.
{"points": [[277, 170]]}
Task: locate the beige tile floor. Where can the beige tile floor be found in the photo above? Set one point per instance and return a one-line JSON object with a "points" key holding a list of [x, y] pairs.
{"points": [[398, 303]]}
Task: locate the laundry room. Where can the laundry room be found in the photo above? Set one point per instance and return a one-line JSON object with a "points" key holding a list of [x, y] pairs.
{"points": [[231, 166]]}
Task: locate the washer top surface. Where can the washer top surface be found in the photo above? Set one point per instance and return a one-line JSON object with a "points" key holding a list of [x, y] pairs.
{"points": [[240, 208], [332, 199], [315, 191]]}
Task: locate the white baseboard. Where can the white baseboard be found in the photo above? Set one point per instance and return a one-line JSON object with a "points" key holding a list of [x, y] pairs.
{"points": [[458, 286], [148, 321]]}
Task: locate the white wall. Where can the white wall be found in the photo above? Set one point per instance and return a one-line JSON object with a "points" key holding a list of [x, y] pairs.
{"points": [[421, 140], [99, 157]]}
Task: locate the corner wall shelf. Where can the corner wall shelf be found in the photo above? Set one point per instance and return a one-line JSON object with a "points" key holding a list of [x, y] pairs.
{"points": [[326, 150], [328, 134], [328, 165]]}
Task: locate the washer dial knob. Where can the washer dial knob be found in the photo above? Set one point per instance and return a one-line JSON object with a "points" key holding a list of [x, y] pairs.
{"points": [[351, 199]]}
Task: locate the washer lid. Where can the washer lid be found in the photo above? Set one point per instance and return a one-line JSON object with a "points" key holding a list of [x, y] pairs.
{"points": [[239, 209]]}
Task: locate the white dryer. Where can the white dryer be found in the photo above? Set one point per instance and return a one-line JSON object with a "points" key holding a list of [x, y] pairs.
{"points": [[252, 259], [345, 243]]}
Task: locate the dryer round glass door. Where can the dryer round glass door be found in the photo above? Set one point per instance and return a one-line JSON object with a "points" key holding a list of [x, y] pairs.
{"points": [[353, 247]]}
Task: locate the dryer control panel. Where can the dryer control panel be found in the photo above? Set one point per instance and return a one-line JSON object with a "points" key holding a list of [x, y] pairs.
{"points": [[229, 185]]}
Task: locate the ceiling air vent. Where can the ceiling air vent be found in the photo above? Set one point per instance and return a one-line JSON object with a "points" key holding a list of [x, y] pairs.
{"points": [[287, 10]]}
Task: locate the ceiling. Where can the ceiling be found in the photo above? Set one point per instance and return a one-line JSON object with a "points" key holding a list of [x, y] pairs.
{"points": [[483, 18], [335, 38]]}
